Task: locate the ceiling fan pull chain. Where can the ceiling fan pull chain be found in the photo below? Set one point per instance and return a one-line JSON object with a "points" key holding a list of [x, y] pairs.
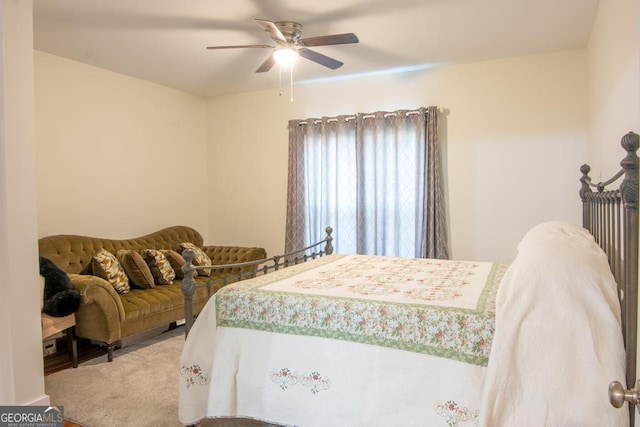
{"points": [[291, 82]]}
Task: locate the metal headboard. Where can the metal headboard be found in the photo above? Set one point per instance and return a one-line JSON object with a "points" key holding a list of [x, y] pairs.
{"points": [[612, 217]]}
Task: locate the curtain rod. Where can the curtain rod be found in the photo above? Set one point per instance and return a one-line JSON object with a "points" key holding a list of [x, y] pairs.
{"points": [[365, 116]]}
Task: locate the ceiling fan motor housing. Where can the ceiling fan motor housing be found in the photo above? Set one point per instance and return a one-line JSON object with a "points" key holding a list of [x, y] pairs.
{"points": [[290, 30]]}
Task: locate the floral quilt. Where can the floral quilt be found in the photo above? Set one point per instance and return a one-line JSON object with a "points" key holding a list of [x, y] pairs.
{"points": [[437, 307]]}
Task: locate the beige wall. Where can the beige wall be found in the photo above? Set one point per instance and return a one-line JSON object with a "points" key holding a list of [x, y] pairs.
{"points": [[117, 157], [614, 82], [511, 129]]}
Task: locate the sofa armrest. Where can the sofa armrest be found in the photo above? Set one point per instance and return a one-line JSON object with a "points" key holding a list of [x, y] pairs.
{"points": [[233, 254], [95, 290]]}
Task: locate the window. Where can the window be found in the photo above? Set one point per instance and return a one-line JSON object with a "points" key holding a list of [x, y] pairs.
{"points": [[370, 177]]}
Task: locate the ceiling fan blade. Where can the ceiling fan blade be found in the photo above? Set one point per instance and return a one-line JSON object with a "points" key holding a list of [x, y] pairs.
{"points": [[242, 46], [346, 38], [272, 29], [320, 58], [266, 65]]}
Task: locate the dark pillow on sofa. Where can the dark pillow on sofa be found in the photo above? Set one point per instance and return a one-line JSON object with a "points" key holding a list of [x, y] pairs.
{"points": [[176, 260], [162, 272], [136, 268]]}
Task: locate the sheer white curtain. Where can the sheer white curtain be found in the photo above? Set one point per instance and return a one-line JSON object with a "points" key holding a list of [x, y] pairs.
{"points": [[322, 185], [370, 177]]}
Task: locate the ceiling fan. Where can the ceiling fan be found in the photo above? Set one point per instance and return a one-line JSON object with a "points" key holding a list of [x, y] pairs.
{"points": [[288, 45]]}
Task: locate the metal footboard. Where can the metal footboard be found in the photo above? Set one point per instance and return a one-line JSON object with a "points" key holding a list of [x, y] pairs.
{"points": [[244, 270]]}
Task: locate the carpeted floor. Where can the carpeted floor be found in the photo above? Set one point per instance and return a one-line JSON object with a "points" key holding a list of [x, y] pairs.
{"points": [[139, 388]]}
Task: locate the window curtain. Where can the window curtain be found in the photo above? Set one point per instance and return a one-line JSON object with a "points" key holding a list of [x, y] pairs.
{"points": [[435, 242], [375, 178]]}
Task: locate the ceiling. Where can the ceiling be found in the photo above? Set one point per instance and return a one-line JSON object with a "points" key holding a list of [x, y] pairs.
{"points": [[164, 41]]}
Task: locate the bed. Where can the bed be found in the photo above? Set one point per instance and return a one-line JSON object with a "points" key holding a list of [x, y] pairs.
{"points": [[355, 340]]}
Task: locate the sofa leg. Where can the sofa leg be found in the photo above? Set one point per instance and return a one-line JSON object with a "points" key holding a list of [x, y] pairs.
{"points": [[72, 344], [110, 353]]}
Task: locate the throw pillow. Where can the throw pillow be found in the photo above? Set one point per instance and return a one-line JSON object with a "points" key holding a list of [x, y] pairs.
{"points": [[106, 265], [136, 268], [176, 260], [199, 258], [159, 265], [59, 298]]}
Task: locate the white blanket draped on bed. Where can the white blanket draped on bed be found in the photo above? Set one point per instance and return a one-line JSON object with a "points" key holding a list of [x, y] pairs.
{"points": [[378, 341], [558, 340]]}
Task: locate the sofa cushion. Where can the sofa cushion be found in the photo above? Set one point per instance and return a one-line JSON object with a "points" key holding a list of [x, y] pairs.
{"points": [[200, 258], [160, 268], [105, 265], [136, 268], [141, 303], [176, 260]]}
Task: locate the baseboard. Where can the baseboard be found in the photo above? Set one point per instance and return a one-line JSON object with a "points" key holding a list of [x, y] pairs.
{"points": [[43, 400]]}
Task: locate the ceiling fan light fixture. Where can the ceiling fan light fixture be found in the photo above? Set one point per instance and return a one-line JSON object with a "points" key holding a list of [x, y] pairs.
{"points": [[286, 56]]}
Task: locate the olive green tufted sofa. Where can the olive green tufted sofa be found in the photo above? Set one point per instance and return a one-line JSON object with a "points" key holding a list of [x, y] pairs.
{"points": [[109, 317]]}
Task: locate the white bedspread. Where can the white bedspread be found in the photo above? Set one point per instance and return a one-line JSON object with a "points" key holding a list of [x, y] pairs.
{"points": [[558, 340], [345, 341]]}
